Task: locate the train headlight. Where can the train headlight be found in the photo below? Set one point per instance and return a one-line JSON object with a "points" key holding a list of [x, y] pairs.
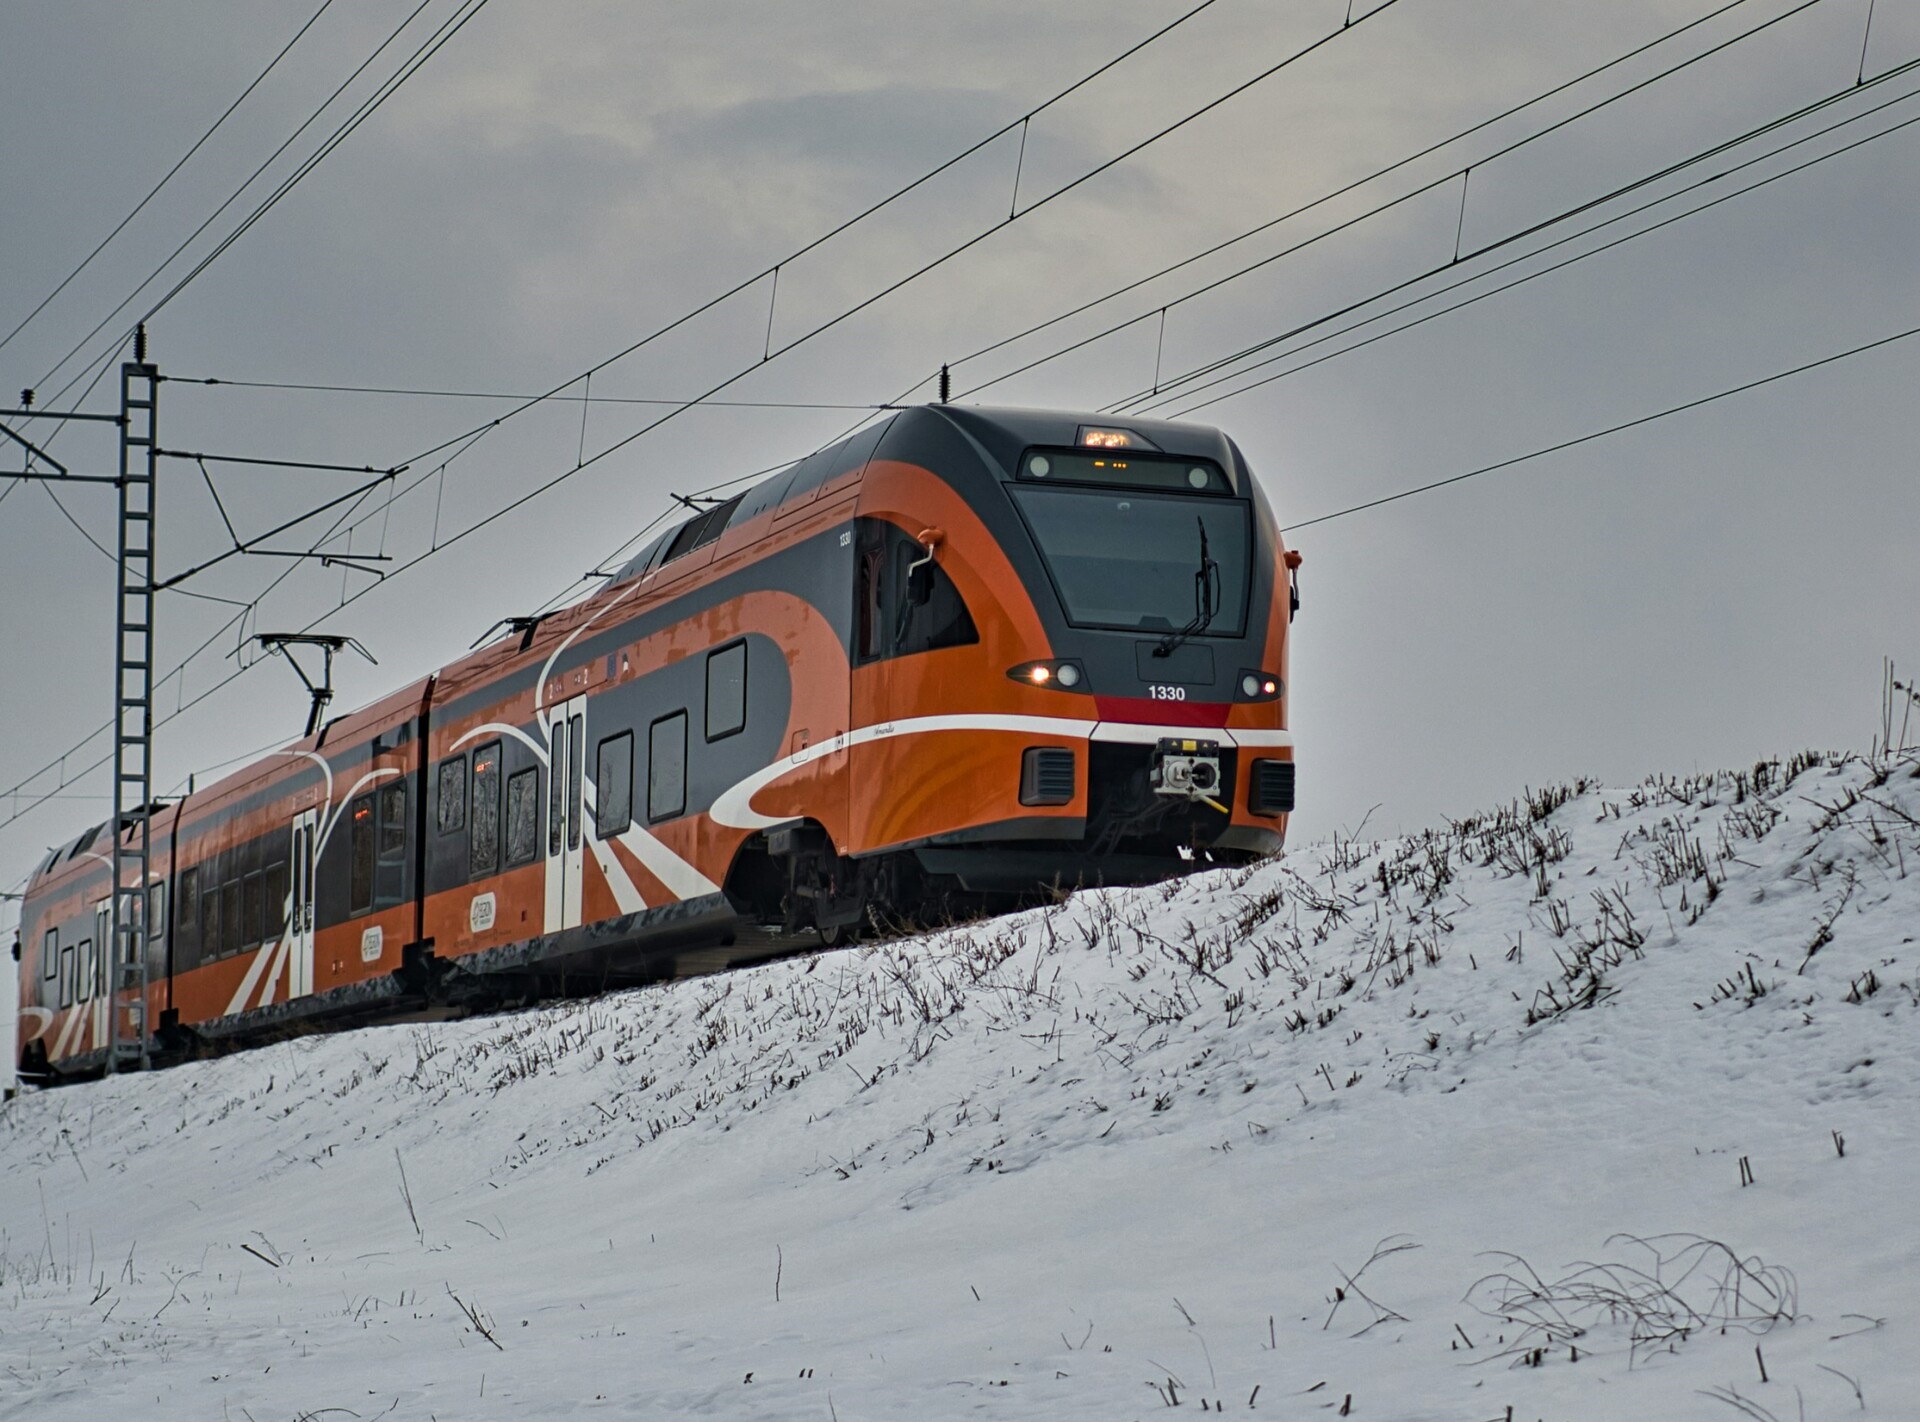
{"points": [[1054, 675], [1260, 686]]}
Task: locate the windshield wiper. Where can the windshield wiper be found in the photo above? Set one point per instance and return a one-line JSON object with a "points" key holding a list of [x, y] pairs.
{"points": [[1206, 598]]}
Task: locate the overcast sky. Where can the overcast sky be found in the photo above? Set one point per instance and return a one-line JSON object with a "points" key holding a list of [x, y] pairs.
{"points": [[563, 178]]}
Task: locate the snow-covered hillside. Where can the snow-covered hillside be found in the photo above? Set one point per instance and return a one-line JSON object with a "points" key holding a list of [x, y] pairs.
{"points": [[1602, 1105]]}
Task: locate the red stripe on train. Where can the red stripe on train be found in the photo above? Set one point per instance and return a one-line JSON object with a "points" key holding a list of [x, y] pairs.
{"points": [[1144, 710]]}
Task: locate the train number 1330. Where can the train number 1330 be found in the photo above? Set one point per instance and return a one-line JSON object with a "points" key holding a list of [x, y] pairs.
{"points": [[1167, 693]]}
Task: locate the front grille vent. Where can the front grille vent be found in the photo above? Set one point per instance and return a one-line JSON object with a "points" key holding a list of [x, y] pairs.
{"points": [[1270, 788], [1046, 776]]}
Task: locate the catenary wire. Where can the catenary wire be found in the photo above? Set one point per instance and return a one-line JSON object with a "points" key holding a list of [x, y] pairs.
{"points": [[1174, 390], [834, 321], [528, 402], [140, 206], [1593, 435], [1554, 267], [1435, 184], [930, 265], [1349, 187], [509, 395], [235, 196]]}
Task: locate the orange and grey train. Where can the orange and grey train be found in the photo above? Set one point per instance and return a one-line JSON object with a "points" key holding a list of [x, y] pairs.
{"points": [[959, 658]]}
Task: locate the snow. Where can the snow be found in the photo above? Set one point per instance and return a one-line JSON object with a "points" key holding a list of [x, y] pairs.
{"points": [[1430, 1128]]}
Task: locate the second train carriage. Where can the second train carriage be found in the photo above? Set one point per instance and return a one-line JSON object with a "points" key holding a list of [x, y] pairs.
{"points": [[961, 656]]}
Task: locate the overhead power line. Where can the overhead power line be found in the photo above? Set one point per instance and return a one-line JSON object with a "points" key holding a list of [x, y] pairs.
{"points": [[556, 392], [1593, 435], [1522, 279], [408, 67], [774, 353], [1454, 175], [505, 395], [140, 206]]}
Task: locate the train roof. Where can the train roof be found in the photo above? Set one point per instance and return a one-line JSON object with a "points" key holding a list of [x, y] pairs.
{"points": [[1001, 431]]}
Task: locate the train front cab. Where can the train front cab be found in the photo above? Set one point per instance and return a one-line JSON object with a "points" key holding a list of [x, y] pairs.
{"points": [[1069, 651]]}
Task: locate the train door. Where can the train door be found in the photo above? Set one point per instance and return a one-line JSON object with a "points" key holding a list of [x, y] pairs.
{"points": [[300, 896], [566, 750]]}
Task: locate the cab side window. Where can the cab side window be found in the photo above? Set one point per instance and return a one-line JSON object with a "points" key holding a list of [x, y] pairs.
{"points": [[904, 601]]}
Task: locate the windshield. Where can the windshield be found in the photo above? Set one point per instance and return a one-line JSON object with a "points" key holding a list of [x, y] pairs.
{"points": [[1128, 560]]}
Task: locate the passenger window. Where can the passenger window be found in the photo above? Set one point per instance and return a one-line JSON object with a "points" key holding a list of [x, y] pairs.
{"points": [[254, 909], [50, 955], [523, 816], [613, 786], [157, 910], [667, 767], [452, 816], [360, 880], [393, 821], [483, 852], [576, 747], [210, 923], [187, 906], [273, 888], [556, 786], [231, 924], [726, 690], [66, 976]]}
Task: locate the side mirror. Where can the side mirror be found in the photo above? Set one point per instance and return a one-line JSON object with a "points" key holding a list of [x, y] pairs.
{"points": [[920, 571], [1293, 583]]}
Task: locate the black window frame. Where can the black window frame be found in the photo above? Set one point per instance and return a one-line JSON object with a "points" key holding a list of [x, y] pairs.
{"points": [[362, 818], [83, 972], [531, 776], [210, 921], [606, 824], [390, 824], [655, 814], [50, 955], [576, 756], [156, 911], [253, 910], [738, 645], [186, 906], [458, 765], [233, 924], [274, 894], [479, 867], [556, 787]]}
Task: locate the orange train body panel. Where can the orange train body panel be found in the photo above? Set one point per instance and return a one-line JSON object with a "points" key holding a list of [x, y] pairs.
{"points": [[957, 657]]}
